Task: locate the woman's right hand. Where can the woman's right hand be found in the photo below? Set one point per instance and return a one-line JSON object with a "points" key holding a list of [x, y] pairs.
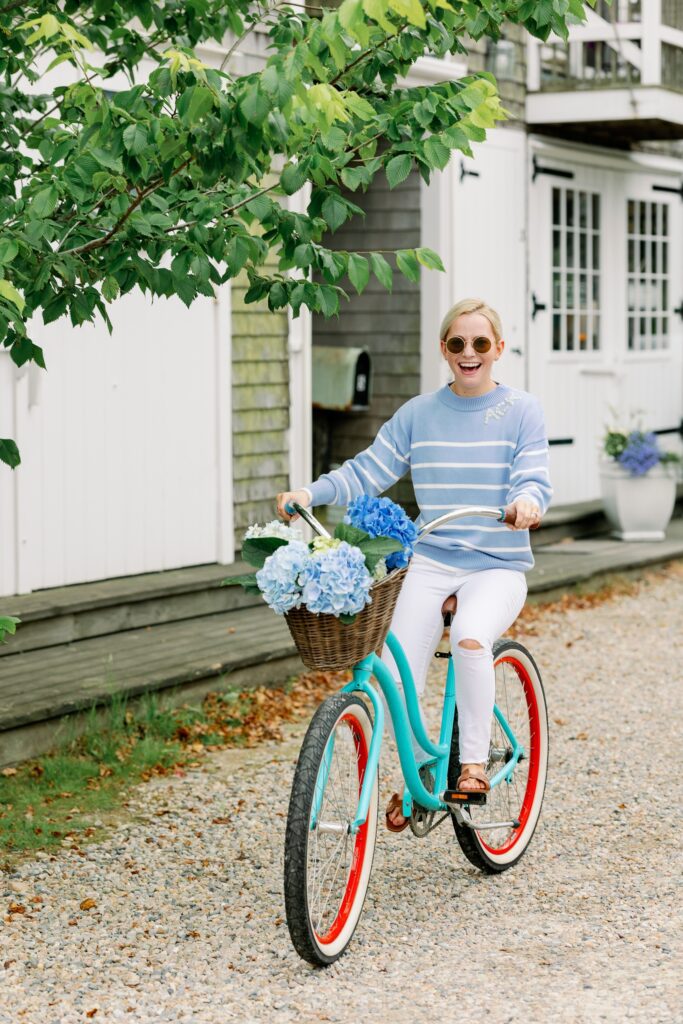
{"points": [[285, 498]]}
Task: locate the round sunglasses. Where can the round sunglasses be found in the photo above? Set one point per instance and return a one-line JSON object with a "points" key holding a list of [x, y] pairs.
{"points": [[457, 345]]}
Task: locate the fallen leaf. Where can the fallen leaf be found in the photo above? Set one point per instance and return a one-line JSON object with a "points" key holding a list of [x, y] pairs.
{"points": [[193, 935], [91, 1013], [8, 963], [560, 721], [220, 821], [17, 908], [8, 771], [88, 903]]}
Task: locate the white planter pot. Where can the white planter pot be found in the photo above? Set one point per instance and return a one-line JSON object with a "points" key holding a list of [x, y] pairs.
{"points": [[638, 507]]}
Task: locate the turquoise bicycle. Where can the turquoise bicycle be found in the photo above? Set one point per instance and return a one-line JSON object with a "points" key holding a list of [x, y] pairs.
{"points": [[332, 818]]}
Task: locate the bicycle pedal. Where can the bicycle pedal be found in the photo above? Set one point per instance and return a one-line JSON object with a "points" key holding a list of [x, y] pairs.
{"points": [[460, 799]]}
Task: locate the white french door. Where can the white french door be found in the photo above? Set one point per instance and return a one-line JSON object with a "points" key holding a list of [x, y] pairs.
{"points": [[605, 341], [125, 445], [489, 240]]}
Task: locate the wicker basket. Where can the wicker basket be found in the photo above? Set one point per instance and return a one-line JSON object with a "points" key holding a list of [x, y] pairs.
{"points": [[326, 643]]}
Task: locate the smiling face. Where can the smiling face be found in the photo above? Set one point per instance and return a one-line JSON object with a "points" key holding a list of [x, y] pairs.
{"points": [[471, 369]]}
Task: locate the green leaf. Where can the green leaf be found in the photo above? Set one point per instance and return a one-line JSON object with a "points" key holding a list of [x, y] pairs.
{"points": [[8, 250], [107, 159], [398, 169], [329, 300], [246, 580], [134, 138], [9, 453], [255, 550], [381, 270], [376, 548], [346, 618], [359, 272], [293, 178], [9, 292], [430, 259], [334, 210], [406, 261], [436, 153], [255, 106], [351, 534], [194, 103], [110, 289], [44, 202], [8, 624]]}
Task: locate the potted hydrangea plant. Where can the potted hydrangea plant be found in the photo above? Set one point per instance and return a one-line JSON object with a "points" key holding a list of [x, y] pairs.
{"points": [[638, 484], [337, 593]]}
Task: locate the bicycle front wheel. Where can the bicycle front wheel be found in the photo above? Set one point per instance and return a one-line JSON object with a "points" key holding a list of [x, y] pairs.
{"points": [[521, 702], [327, 867]]}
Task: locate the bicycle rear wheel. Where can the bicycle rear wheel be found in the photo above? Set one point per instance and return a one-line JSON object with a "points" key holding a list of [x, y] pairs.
{"points": [[521, 700], [327, 868]]}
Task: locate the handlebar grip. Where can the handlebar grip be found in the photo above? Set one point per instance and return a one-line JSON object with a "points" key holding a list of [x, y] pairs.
{"points": [[289, 508], [510, 518]]}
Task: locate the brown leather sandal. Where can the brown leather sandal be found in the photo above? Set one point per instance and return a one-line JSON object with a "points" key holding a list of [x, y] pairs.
{"points": [[395, 804], [473, 772]]}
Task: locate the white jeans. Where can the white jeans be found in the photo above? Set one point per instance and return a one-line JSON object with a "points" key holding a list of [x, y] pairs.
{"points": [[489, 601]]}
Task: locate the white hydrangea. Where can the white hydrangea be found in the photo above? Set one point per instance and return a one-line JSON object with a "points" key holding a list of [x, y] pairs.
{"points": [[380, 570], [325, 543], [274, 529]]}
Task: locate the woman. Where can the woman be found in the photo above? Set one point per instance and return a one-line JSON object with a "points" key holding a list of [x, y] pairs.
{"points": [[473, 442]]}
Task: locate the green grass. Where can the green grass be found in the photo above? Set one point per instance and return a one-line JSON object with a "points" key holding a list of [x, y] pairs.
{"points": [[58, 796]]}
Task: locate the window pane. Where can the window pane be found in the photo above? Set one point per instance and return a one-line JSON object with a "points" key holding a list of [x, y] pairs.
{"points": [[631, 219], [570, 248], [583, 250], [631, 293], [631, 332], [557, 332], [557, 257], [583, 292], [596, 333], [643, 218], [583, 212], [596, 252], [583, 332], [557, 290], [570, 208], [556, 206], [653, 257], [596, 213], [631, 255], [653, 218], [570, 291], [570, 332]]}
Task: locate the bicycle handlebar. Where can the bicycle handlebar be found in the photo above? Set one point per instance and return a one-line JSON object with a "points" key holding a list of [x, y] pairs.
{"points": [[503, 515]]}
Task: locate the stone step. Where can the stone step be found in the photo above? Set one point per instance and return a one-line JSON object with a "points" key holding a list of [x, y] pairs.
{"points": [[65, 615]]}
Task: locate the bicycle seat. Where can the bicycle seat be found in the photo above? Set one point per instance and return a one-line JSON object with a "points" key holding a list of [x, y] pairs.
{"points": [[448, 609]]}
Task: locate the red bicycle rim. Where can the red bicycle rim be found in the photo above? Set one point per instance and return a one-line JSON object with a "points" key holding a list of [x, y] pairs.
{"points": [[533, 755], [359, 848]]}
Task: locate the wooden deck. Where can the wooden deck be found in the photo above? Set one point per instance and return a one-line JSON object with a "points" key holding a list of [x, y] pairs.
{"points": [[138, 636]]}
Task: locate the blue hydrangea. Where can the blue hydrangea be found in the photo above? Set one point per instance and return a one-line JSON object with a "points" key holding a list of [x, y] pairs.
{"points": [[336, 581], [640, 454], [381, 517], [281, 578]]}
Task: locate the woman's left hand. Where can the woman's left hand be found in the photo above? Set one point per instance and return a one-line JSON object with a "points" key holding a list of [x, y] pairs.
{"points": [[527, 514]]}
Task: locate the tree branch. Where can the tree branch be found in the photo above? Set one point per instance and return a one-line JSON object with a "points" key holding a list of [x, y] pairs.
{"points": [[97, 243]]}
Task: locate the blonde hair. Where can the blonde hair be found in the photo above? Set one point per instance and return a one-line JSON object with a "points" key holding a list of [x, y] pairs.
{"points": [[472, 306]]}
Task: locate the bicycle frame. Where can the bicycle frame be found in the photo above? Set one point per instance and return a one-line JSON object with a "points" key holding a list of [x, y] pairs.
{"points": [[406, 718]]}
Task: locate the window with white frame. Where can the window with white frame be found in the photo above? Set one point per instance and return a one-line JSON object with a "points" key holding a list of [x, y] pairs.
{"points": [[647, 226], [576, 270]]}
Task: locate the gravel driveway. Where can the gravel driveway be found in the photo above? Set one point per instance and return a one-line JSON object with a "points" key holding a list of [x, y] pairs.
{"points": [[188, 917]]}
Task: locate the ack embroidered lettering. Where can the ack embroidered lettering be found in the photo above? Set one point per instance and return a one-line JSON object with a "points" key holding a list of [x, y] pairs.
{"points": [[496, 412]]}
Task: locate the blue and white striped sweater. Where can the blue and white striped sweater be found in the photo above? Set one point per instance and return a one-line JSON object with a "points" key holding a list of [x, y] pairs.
{"points": [[501, 454]]}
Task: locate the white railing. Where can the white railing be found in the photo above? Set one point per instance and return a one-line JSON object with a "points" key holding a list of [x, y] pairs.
{"points": [[625, 43]]}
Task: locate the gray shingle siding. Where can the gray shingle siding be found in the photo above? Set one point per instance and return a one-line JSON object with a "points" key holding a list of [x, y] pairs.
{"points": [[386, 324]]}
